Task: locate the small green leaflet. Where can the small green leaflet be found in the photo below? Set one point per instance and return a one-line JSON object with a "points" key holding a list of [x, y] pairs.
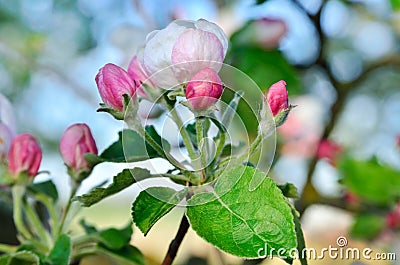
{"points": [[19, 258], [241, 222], [152, 204], [121, 181], [374, 182], [130, 147], [61, 252]]}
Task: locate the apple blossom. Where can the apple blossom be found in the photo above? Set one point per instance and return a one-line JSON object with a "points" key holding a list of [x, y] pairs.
{"points": [[398, 141], [138, 75], [76, 141], [113, 83], [25, 155], [204, 88], [188, 46]]}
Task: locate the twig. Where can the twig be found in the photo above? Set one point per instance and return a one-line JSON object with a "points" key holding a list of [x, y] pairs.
{"points": [[176, 242]]}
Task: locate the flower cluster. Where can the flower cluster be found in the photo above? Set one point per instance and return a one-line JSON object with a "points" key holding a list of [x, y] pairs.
{"points": [[23, 155], [184, 54]]}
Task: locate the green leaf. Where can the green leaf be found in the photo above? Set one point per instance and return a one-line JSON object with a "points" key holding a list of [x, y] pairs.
{"points": [[243, 222], [191, 129], [152, 204], [371, 181], [89, 229], [130, 147], [20, 258], [367, 226], [61, 252], [289, 190], [395, 4], [47, 187], [301, 244], [115, 239], [121, 181], [110, 238], [128, 255]]}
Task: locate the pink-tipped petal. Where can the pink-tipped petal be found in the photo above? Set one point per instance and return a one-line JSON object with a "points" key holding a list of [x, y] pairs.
{"points": [[194, 50], [204, 89], [25, 155], [113, 82], [277, 97], [76, 141], [137, 74]]}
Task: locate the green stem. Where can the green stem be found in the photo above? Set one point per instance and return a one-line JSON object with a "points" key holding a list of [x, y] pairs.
{"points": [[177, 177], [201, 145], [185, 136], [255, 145], [17, 194], [36, 224], [67, 208], [7, 249], [48, 203]]}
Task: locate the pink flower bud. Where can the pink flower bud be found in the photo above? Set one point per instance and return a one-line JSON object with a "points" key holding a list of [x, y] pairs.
{"points": [[137, 74], [6, 137], [204, 89], [329, 150], [76, 141], [25, 155], [113, 82], [277, 97]]}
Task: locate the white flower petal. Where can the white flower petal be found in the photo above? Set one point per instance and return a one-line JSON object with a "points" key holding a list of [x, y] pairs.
{"points": [[215, 29]]}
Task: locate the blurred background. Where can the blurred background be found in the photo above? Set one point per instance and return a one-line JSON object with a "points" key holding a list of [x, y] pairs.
{"points": [[340, 59]]}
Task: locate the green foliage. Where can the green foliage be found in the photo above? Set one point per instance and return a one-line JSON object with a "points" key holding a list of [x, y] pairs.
{"points": [[242, 222], [301, 244], [152, 204], [19, 258], [289, 190], [395, 4], [47, 187], [121, 181], [367, 226], [61, 251], [130, 147], [114, 243], [128, 255], [375, 183]]}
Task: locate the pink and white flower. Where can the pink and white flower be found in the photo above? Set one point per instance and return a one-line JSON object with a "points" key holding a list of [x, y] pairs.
{"points": [[188, 46]]}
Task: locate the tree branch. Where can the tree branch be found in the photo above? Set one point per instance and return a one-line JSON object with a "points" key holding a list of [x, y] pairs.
{"points": [[176, 242]]}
